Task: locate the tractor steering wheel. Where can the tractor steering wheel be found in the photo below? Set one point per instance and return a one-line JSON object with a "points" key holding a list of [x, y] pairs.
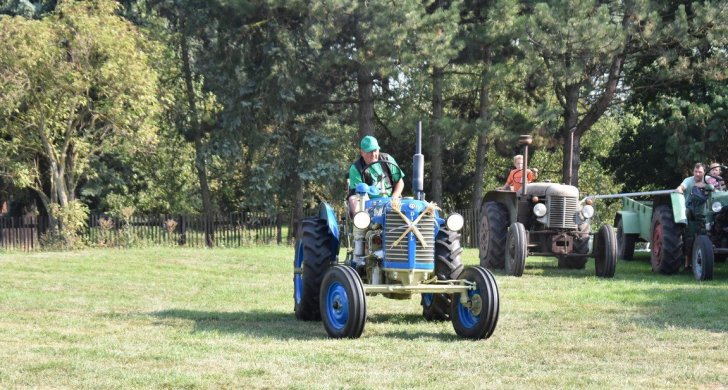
{"points": [[391, 179]]}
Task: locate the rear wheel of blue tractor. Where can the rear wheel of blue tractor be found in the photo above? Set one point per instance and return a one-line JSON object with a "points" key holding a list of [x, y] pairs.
{"points": [[343, 303], [448, 266], [314, 255], [476, 316], [703, 258]]}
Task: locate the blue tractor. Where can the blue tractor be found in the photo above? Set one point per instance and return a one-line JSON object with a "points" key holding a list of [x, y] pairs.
{"points": [[396, 248]]}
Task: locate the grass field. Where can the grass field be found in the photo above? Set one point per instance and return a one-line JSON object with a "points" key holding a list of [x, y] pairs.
{"points": [[177, 318]]}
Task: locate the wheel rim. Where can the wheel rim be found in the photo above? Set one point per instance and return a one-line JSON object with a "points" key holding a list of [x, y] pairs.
{"points": [[657, 243], [484, 229], [337, 305], [427, 299], [511, 251], [298, 277], [698, 262], [467, 317]]}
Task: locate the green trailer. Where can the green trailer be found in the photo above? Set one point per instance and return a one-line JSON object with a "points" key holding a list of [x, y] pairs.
{"points": [[673, 229], [659, 218]]}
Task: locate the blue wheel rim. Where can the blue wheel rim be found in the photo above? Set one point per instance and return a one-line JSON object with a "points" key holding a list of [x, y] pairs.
{"points": [[467, 318], [337, 305], [297, 277], [427, 299]]}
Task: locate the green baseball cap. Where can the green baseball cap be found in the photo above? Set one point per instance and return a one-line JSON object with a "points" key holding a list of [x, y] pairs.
{"points": [[369, 144]]}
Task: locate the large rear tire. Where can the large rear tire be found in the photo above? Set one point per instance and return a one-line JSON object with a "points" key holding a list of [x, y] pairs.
{"points": [[516, 249], [478, 317], [343, 303], [605, 252], [702, 258], [448, 266], [666, 242], [314, 257], [493, 233], [625, 243]]}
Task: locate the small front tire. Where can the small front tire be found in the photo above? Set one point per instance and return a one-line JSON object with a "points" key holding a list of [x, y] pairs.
{"points": [[605, 252], [625, 243], [703, 258], [477, 318], [343, 303], [516, 249]]}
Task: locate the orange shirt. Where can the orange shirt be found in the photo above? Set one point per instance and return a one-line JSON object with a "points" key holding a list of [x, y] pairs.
{"points": [[516, 177]]}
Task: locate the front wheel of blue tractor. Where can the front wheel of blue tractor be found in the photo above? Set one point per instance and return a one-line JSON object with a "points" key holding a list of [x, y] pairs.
{"points": [[343, 303], [475, 315]]}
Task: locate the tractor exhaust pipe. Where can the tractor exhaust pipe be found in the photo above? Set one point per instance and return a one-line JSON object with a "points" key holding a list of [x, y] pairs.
{"points": [[525, 140], [418, 167]]}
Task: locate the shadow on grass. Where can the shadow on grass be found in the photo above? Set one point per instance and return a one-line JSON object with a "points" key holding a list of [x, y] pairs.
{"points": [[255, 323], [284, 326], [701, 308]]}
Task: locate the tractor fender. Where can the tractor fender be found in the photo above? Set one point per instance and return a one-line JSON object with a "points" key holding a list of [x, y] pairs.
{"points": [[327, 213], [506, 198], [630, 221], [678, 208]]}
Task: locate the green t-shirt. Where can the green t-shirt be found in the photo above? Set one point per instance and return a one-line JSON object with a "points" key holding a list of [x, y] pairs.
{"points": [[378, 175]]}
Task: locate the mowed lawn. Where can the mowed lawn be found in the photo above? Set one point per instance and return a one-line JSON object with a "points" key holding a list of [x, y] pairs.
{"points": [[223, 318]]}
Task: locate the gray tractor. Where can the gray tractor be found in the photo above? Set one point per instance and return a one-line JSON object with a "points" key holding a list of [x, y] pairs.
{"points": [[396, 248], [542, 219]]}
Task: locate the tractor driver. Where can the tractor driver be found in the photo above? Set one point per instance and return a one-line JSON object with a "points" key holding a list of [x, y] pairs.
{"points": [[515, 177], [386, 175], [696, 180]]}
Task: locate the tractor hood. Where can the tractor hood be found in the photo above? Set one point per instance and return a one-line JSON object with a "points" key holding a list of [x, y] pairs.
{"points": [[552, 189]]}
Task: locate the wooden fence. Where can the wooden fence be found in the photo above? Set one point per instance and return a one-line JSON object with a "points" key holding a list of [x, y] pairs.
{"points": [[227, 230]]}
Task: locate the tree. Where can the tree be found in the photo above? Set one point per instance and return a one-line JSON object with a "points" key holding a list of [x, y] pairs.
{"points": [[678, 101], [75, 84], [583, 48]]}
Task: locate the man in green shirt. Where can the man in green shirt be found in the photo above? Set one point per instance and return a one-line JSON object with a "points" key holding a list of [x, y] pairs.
{"points": [[375, 169]]}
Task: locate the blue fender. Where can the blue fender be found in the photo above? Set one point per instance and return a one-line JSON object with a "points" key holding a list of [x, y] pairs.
{"points": [[327, 212]]}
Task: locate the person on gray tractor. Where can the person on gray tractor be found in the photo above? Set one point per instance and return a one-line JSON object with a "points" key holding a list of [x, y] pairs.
{"points": [[375, 169]]}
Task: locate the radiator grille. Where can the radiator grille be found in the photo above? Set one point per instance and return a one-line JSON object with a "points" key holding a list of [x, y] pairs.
{"points": [[395, 226], [561, 212]]}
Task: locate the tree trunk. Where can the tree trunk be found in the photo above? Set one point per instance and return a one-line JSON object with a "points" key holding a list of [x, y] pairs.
{"points": [[364, 82], [436, 139], [297, 212], [196, 131], [482, 147]]}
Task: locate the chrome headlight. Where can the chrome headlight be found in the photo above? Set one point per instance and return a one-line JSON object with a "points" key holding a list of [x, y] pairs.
{"points": [[716, 206], [587, 212], [539, 209], [362, 220], [455, 222]]}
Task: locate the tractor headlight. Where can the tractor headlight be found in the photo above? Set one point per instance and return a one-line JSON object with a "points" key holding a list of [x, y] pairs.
{"points": [[716, 206], [455, 222], [587, 212], [362, 220], [539, 209]]}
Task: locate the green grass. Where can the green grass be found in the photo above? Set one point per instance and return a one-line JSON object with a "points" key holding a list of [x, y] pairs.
{"points": [[186, 318]]}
